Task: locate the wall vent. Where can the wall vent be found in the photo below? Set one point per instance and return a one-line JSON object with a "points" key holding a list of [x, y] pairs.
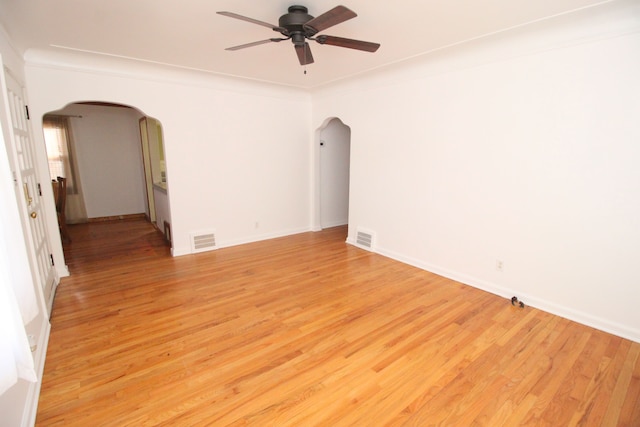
{"points": [[365, 239], [201, 242]]}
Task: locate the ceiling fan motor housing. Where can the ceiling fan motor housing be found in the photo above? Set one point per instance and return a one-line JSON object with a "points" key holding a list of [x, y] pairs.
{"points": [[294, 23]]}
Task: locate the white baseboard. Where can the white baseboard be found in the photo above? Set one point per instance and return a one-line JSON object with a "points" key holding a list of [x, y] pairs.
{"points": [[331, 224], [261, 237], [250, 239], [605, 325], [33, 395]]}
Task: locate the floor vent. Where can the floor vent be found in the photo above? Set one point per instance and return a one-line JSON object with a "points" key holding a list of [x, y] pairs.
{"points": [[364, 239], [201, 242]]}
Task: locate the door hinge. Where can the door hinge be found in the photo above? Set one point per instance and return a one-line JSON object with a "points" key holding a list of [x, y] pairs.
{"points": [[39, 190], [51, 256], [26, 111]]}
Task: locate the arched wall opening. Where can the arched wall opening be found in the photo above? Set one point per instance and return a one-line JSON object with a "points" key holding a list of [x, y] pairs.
{"points": [[116, 161], [332, 165]]}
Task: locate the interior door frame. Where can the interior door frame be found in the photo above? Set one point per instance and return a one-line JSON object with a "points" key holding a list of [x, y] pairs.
{"points": [[29, 192], [146, 160]]}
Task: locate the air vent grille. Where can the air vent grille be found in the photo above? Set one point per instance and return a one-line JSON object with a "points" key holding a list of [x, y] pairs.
{"points": [[201, 242], [365, 239]]}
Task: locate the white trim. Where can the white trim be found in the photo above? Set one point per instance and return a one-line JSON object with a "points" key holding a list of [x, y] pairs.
{"points": [[33, 395], [235, 242], [581, 317], [334, 224], [261, 237]]}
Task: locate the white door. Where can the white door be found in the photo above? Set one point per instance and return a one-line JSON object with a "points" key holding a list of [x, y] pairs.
{"points": [[28, 188]]}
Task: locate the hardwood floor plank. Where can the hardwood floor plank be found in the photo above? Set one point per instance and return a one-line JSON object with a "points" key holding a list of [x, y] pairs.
{"points": [[308, 330], [630, 412], [621, 388], [602, 385], [524, 353]]}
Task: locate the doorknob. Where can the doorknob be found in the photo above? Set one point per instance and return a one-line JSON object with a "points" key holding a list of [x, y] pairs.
{"points": [[34, 214]]}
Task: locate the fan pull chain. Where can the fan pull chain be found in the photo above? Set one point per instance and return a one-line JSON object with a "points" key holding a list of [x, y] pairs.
{"points": [[305, 61]]}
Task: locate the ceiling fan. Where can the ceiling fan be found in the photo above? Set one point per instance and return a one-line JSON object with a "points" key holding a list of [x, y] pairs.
{"points": [[298, 26]]}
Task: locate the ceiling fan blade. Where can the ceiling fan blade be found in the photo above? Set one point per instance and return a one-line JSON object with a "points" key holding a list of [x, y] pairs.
{"points": [[350, 43], [242, 46], [304, 53], [328, 19], [254, 21]]}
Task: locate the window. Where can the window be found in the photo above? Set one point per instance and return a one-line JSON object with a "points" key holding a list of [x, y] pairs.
{"points": [[57, 138]]}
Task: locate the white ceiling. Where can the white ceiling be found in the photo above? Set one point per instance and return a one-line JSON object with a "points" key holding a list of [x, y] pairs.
{"points": [[189, 33]]}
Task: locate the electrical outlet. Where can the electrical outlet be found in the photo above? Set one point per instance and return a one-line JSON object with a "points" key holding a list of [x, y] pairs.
{"points": [[499, 265]]}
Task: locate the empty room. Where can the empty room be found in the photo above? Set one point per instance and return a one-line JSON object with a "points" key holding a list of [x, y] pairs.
{"points": [[358, 214]]}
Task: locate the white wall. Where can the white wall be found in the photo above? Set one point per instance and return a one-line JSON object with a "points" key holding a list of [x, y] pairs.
{"points": [[524, 148], [109, 157], [237, 152], [334, 153]]}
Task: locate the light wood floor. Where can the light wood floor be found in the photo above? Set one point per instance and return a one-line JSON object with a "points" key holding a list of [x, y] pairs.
{"points": [[307, 330]]}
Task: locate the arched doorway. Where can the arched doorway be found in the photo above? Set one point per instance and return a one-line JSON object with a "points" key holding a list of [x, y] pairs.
{"points": [[334, 158], [113, 177]]}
